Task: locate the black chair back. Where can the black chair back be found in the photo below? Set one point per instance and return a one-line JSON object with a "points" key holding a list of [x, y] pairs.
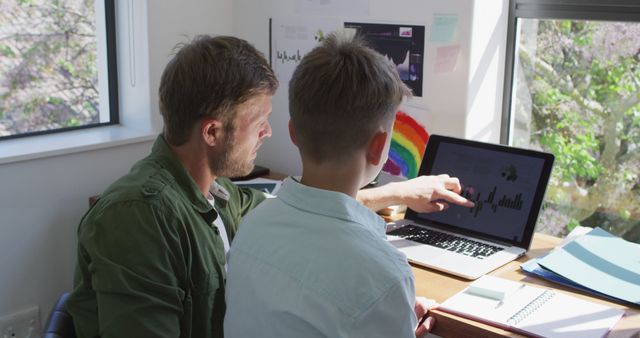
{"points": [[60, 323]]}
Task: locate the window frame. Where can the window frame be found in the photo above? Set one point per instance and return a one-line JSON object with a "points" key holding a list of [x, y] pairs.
{"points": [[612, 10], [112, 79]]}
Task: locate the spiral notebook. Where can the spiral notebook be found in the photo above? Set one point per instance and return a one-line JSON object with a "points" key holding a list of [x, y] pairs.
{"points": [[530, 310]]}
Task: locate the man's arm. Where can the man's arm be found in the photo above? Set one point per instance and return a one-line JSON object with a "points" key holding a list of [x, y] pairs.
{"points": [[422, 194], [136, 271]]}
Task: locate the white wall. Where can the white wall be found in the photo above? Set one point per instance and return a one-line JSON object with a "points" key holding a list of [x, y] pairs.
{"points": [[464, 102], [42, 200], [172, 22], [486, 70]]}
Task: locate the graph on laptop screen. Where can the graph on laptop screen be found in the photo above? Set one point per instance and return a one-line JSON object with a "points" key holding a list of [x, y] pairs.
{"points": [[502, 186]]}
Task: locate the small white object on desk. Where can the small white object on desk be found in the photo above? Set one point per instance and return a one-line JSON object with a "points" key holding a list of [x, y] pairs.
{"points": [[494, 288]]}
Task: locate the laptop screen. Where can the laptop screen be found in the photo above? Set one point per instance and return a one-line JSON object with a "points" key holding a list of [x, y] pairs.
{"points": [[506, 184]]}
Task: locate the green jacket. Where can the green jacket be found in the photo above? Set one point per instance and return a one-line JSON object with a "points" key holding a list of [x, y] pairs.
{"points": [[150, 261]]}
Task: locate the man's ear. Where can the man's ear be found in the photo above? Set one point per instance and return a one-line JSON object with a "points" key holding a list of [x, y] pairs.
{"points": [[292, 133], [376, 147], [211, 131]]}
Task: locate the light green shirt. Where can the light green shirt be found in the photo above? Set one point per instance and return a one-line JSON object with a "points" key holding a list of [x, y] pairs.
{"points": [[315, 263], [150, 263]]}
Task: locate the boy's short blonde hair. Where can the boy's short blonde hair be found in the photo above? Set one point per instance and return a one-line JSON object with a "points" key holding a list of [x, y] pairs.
{"points": [[340, 93]]}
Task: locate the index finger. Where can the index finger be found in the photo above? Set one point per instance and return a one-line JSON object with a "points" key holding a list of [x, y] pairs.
{"points": [[455, 198]]}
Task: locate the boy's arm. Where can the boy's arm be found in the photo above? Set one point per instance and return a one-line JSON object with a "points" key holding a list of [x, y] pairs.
{"points": [[421, 194], [393, 315]]}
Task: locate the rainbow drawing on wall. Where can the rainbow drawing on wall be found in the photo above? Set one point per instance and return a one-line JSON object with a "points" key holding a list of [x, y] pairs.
{"points": [[408, 141]]}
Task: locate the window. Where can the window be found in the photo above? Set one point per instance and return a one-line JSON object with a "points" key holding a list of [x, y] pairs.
{"points": [[572, 88], [57, 66]]}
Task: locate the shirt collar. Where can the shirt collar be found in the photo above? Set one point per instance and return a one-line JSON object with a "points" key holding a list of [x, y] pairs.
{"points": [[331, 204], [167, 159], [219, 191]]}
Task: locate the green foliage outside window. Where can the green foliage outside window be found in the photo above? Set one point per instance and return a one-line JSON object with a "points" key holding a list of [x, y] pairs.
{"points": [[582, 103], [48, 65]]}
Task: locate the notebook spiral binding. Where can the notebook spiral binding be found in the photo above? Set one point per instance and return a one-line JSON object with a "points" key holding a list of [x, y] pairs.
{"points": [[531, 307]]}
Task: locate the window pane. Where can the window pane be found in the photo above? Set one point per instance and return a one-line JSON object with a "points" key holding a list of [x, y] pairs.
{"points": [[576, 93], [48, 65]]}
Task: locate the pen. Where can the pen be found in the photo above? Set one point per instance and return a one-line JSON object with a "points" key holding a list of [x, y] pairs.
{"points": [[424, 318], [429, 305]]}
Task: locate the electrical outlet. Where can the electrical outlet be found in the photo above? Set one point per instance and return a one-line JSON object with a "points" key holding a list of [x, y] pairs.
{"points": [[23, 324]]}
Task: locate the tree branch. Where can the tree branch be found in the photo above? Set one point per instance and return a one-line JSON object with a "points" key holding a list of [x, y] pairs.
{"points": [[546, 71], [627, 102]]}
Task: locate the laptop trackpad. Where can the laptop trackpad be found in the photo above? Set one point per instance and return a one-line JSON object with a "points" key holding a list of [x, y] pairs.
{"points": [[414, 249]]}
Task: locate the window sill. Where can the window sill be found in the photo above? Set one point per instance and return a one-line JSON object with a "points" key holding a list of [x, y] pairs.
{"points": [[36, 147]]}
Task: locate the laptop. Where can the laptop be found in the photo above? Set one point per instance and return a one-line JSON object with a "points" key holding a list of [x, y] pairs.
{"points": [[507, 185]]}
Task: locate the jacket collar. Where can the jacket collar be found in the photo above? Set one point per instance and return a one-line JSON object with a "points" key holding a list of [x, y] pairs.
{"points": [[162, 154]]}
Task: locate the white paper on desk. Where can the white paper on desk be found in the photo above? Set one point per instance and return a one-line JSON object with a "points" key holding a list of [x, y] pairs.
{"points": [[268, 186], [538, 311], [575, 233]]}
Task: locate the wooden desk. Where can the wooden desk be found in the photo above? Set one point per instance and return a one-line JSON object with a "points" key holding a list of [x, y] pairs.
{"points": [[440, 286]]}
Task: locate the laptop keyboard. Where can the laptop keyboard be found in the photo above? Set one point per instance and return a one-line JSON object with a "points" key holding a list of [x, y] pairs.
{"points": [[446, 241]]}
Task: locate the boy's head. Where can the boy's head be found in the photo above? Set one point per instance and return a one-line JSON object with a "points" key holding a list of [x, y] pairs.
{"points": [[341, 94]]}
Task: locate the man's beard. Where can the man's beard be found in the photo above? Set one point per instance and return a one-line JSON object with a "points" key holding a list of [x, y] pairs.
{"points": [[227, 166]]}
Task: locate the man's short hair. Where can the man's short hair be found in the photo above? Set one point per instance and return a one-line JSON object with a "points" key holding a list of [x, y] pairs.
{"points": [[340, 93], [210, 77]]}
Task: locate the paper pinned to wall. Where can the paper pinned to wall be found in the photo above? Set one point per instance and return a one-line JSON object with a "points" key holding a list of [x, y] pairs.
{"points": [[333, 7], [403, 44], [293, 37], [446, 59], [408, 142], [443, 28]]}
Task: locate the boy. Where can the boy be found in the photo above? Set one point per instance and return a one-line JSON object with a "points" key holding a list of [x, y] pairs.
{"points": [[314, 262]]}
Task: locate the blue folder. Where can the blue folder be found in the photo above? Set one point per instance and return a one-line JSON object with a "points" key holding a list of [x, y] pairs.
{"points": [[533, 268], [597, 262]]}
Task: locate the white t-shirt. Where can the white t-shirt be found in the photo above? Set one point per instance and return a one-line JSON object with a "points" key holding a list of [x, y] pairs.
{"points": [[219, 191], [219, 224]]}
